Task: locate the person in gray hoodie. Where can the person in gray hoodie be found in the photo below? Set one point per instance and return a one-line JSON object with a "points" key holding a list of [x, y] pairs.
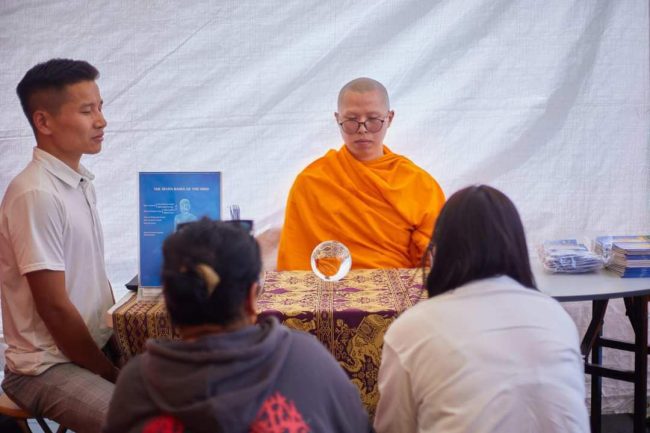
{"points": [[229, 373]]}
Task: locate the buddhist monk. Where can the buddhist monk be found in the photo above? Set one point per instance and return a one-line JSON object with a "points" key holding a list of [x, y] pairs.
{"points": [[379, 204]]}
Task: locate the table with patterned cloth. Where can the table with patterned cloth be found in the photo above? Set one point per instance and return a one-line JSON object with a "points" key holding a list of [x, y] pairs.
{"points": [[349, 317]]}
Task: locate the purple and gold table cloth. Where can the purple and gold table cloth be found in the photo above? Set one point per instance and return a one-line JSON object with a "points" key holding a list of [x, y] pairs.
{"points": [[349, 317]]}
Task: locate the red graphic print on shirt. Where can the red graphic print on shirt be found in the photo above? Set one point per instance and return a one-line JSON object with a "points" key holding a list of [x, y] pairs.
{"points": [[164, 424], [279, 415]]}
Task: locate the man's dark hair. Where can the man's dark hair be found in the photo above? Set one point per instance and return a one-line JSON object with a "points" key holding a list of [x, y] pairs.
{"points": [[230, 251], [52, 76], [478, 235]]}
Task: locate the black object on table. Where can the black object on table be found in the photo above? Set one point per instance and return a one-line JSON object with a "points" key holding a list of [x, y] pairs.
{"points": [[133, 284]]}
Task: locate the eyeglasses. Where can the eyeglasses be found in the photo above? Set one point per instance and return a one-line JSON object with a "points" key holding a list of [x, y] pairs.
{"points": [[353, 126]]}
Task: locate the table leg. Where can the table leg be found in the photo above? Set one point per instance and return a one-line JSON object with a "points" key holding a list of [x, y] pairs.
{"points": [[591, 342], [593, 333], [637, 309]]}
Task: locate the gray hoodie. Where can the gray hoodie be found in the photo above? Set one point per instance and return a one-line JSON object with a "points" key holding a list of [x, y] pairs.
{"points": [[237, 382]]}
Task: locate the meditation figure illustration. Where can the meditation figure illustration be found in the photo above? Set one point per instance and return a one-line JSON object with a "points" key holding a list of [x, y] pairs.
{"points": [[185, 216]]}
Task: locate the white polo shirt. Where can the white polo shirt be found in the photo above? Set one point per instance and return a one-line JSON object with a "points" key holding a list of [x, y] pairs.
{"points": [[49, 220]]}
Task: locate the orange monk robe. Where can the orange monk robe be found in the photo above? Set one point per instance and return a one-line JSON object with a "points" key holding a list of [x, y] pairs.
{"points": [[384, 211]]}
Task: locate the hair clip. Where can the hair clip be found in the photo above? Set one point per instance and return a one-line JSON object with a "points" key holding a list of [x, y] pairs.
{"points": [[209, 276]]}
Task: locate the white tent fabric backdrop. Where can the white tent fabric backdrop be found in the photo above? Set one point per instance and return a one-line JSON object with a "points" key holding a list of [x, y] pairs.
{"points": [[545, 100]]}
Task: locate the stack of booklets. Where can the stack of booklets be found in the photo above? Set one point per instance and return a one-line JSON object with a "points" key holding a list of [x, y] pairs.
{"points": [[603, 244], [568, 256], [630, 259]]}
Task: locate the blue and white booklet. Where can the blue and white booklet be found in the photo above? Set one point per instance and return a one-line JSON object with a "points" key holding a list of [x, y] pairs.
{"points": [[167, 200], [630, 259]]}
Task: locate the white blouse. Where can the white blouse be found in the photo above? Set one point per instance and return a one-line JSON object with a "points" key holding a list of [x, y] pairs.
{"points": [[490, 356]]}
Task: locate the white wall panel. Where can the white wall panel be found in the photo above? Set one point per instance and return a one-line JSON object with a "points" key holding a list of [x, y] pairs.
{"points": [[546, 100]]}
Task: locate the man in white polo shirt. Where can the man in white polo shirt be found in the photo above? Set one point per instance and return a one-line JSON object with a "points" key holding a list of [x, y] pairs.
{"points": [[53, 281]]}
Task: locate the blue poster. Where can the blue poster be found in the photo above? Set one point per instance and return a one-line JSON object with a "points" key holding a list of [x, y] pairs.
{"points": [[167, 200]]}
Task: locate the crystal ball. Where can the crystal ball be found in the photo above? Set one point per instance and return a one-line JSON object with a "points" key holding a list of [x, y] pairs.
{"points": [[331, 260]]}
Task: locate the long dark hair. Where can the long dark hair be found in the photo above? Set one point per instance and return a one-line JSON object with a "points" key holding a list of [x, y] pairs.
{"points": [[478, 235], [208, 269]]}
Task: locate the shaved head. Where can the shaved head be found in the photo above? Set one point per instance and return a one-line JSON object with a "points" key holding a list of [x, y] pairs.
{"points": [[363, 85], [363, 117]]}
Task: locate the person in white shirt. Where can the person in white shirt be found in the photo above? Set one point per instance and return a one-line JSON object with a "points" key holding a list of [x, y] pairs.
{"points": [[53, 281], [487, 352]]}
